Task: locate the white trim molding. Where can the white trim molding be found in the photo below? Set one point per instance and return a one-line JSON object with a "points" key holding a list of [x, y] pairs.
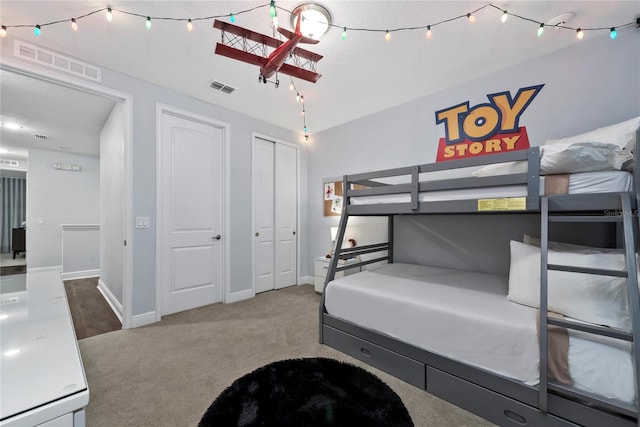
{"points": [[111, 299], [239, 296], [143, 319], [305, 280], [57, 268], [72, 275]]}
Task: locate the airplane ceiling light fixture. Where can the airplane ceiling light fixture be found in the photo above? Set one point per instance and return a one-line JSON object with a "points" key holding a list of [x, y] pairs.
{"points": [[315, 19], [248, 46]]}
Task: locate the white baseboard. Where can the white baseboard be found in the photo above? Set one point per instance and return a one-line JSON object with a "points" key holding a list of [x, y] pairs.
{"points": [[239, 296], [306, 280], [72, 275], [147, 318], [57, 268], [113, 302]]}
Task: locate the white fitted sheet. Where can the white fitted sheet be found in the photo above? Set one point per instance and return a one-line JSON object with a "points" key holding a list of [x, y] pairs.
{"points": [[579, 183], [465, 316]]}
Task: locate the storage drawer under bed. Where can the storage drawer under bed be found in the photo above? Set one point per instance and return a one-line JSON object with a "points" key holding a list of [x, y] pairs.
{"points": [[498, 408], [389, 361]]}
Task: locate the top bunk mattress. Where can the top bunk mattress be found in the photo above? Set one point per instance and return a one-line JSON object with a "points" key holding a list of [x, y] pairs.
{"points": [[579, 183]]}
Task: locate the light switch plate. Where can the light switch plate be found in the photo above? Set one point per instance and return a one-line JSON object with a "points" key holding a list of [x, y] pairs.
{"points": [[142, 222]]}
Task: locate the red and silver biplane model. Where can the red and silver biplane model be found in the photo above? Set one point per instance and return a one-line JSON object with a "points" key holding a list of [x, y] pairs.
{"points": [[251, 47]]}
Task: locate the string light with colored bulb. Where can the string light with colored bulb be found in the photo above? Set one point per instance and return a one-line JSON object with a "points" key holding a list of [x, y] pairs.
{"points": [[303, 112], [470, 16]]}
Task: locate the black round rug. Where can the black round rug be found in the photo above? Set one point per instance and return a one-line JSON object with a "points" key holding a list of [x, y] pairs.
{"points": [[308, 392]]}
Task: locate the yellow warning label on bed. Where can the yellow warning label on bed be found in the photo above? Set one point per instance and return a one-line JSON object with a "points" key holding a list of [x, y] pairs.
{"points": [[503, 204]]}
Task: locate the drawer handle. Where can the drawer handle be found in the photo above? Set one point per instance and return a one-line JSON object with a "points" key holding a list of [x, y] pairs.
{"points": [[515, 417], [326, 268], [365, 352]]}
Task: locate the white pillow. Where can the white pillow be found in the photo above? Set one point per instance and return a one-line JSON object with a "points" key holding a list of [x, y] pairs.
{"points": [[501, 169], [622, 134], [566, 158], [601, 300], [581, 157], [570, 247]]}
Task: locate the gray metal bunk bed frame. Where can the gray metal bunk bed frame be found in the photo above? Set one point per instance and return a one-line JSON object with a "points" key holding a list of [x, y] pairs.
{"points": [[498, 399]]}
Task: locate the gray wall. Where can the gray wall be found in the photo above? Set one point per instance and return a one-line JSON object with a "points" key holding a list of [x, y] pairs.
{"points": [[112, 137], [145, 97], [591, 84], [56, 197], [588, 85]]}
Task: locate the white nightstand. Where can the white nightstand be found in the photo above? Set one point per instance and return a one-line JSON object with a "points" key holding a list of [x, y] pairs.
{"points": [[321, 266]]}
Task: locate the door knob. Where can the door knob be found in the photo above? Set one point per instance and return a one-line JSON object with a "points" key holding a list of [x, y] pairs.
{"points": [[216, 237], [294, 233], [257, 234]]}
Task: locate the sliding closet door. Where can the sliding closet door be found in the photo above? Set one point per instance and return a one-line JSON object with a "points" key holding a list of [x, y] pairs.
{"points": [[263, 206], [275, 189], [286, 171]]}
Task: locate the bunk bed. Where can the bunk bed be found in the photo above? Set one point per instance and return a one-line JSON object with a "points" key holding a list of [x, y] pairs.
{"points": [[517, 349]]}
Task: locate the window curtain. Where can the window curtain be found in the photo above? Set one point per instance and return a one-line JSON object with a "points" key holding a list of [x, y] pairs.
{"points": [[13, 193]]}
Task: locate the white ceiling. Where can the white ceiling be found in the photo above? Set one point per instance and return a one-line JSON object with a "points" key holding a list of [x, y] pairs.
{"points": [[70, 119], [360, 75]]}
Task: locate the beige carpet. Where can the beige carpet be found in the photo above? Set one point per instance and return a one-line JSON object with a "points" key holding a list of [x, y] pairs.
{"points": [[168, 373], [90, 311]]}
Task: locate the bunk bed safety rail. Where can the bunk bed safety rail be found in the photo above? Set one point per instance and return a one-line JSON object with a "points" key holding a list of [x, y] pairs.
{"points": [[412, 181], [349, 253]]}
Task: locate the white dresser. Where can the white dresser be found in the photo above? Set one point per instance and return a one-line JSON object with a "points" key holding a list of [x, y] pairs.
{"points": [[42, 380], [321, 266]]}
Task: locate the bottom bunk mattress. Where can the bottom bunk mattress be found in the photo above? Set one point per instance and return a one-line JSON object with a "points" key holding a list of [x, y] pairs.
{"points": [[465, 316]]}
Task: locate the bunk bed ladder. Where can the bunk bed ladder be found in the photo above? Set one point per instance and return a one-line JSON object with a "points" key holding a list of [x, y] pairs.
{"points": [[625, 216]]}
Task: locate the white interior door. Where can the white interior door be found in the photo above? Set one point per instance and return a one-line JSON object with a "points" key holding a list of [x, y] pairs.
{"points": [[286, 224], [263, 185], [275, 204], [192, 208]]}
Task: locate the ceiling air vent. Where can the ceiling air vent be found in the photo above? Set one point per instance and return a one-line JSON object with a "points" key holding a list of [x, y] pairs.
{"points": [[40, 137], [56, 61], [221, 87]]}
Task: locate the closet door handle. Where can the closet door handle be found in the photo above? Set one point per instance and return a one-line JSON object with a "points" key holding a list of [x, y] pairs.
{"points": [[294, 233], [257, 234], [216, 237]]}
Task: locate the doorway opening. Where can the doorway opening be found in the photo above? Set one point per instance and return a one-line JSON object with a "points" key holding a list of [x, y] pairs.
{"points": [[55, 161]]}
